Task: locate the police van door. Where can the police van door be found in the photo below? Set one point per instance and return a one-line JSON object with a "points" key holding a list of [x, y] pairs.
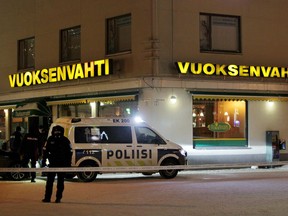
{"points": [[117, 146], [147, 146]]}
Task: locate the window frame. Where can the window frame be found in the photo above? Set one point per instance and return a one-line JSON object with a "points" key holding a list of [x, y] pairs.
{"points": [[74, 110], [145, 135], [210, 49], [63, 59], [22, 65], [116, 40], [208, 138]]}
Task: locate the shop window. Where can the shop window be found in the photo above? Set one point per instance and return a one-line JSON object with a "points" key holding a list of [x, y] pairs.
{"points": [[70, 44], [22, 122], [118, 108], [219, 123], [74, 110], [118, 34], [26, 53], [219, 33], [2, 126], [103, 109], [103, 134]]}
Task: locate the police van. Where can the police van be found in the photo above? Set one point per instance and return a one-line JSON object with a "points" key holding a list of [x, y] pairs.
{"points": [[114, 142]]}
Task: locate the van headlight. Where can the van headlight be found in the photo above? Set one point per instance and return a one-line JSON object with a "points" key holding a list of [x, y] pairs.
{"points": [[183, 152]]}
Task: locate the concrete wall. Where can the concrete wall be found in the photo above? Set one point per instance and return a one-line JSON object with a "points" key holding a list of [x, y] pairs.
{"points": [[174, 121]]}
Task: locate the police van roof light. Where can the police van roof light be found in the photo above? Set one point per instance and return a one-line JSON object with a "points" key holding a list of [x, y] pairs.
{"points": [[138, 119]]}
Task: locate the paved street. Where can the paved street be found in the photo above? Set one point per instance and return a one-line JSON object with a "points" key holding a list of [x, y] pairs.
{"points": [[215, 192]]}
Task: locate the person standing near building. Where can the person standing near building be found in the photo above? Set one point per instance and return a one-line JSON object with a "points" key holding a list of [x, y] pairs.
{"points": [[42, 138], [30, 150], [15, 140], [58, 151]]}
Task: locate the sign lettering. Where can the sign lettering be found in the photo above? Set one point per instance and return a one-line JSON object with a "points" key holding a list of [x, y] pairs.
{"points": [[134, 154], [62, 73], [233, 70]]}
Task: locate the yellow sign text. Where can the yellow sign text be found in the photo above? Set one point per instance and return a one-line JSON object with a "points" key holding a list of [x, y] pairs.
{"points": [[62, 73], [233, 70]]}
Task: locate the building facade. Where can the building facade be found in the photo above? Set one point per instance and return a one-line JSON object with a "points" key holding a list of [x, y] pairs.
{"points": [[208, 75]]}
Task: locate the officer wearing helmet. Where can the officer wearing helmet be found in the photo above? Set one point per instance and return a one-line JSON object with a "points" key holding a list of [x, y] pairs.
{"points": [[58, 151]]}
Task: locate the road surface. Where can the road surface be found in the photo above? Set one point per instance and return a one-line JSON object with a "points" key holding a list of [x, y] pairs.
{"points": [[247, 192]]}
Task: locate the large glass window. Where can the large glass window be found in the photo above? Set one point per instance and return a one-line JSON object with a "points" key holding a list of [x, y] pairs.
{"points": [[21, 122], [219, 123], [75, 110], [118, 34], [118, 108], [2, 125], [219, 33], [26, 53], [70, 44], [102, 109]]}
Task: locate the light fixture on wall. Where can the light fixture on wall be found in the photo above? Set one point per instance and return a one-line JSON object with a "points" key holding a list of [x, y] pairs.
{"points": [[173, 99], [270, 103]]}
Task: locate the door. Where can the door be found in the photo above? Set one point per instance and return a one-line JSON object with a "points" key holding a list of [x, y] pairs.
{"points": [[146, 150], [272, 144], [117, 146]]}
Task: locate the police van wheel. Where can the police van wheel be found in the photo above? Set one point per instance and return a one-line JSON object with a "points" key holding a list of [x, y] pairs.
{"points": [[87, 176], [168, 174]]}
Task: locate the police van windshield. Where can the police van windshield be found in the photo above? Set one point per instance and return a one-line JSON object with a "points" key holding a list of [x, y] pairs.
{"points": [[146, 136], [103, 134]]}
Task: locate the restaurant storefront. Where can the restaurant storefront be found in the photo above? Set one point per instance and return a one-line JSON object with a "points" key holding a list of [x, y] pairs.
{"points": [[35, 111], [212, 125]]}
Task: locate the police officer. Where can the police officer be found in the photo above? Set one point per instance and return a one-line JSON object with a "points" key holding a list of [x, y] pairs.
{"points": [[30, 150], [59, 153], [15, 140]]}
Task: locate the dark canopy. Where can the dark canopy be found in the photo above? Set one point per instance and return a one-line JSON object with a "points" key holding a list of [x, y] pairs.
{"points": [[30, 109]]}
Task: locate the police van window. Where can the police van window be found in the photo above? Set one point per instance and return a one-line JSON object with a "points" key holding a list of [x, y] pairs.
{"points": [[147, 136], [107, 134]]}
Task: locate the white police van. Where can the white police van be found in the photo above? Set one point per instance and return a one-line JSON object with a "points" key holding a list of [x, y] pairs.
{"points": [[113, 142]]}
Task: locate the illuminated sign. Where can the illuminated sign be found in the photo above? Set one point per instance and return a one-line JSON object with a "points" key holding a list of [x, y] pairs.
{"points": [[62, 73], [231, 70], [219, 127]]}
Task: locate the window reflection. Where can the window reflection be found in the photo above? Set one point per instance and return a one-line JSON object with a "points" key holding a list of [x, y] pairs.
{"points": [[219, 119]]}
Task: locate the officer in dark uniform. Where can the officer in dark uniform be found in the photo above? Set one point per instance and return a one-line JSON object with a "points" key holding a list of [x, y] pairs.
{"points": [[30, 150], [59, 153], [16, 140]]}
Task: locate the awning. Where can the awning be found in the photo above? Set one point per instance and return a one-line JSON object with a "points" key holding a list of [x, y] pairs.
{"points": [[67, 102], [31, 109], [239, 97], [94, 99], [116, 98], [2, 107]]}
